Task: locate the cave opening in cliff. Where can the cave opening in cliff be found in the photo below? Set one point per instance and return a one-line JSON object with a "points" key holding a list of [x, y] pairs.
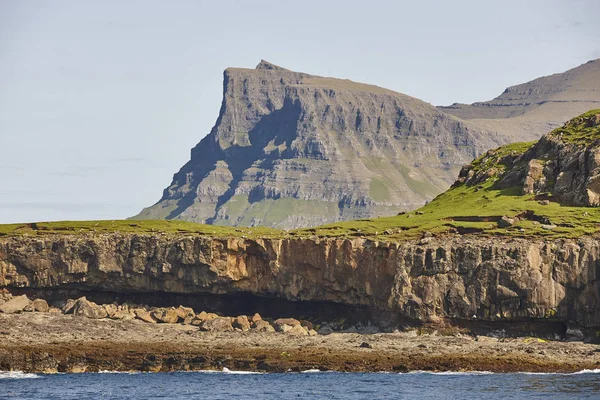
{"points": [[225, 304]]}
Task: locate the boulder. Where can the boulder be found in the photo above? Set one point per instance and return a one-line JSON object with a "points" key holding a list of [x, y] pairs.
{"points": [[263, 326], [68, 307], [241, 323], [203, 316], [184, 312], [85, 308], [5, 295], [307, 324], [110, 309], [285, 321], [165, 315], [15, 305], [144, 315], [296, 330], [219, 324], [123, 314], [506, 222], [40, 305], [312, 332], [256, 317]]}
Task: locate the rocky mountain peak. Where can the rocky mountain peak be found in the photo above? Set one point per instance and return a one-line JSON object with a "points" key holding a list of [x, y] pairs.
{"points": [[293, 150], [263, 64]]}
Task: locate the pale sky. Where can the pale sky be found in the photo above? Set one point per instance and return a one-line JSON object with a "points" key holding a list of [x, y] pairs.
{"points": [[101, 101]]}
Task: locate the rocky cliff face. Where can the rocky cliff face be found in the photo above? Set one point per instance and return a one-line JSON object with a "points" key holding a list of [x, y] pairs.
{"points": [[538, 106], [469, 281], [564, 164], [293, 150]]}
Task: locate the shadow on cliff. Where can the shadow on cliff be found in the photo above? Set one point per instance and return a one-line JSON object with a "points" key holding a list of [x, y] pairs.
{"points": [[273, 130]]}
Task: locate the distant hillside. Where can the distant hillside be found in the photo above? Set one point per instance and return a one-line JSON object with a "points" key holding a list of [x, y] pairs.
{"points": [[535, 107], [293, 150]]}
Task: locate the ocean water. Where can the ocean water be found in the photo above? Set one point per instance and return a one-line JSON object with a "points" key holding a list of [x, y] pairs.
{"points": [[309, 385]]}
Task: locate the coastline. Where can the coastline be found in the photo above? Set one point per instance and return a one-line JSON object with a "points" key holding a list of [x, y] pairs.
{"points": [[51, 343]]}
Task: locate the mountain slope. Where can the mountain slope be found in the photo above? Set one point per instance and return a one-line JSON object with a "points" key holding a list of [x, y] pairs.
{"points": [[535, 107], [290, 150]]}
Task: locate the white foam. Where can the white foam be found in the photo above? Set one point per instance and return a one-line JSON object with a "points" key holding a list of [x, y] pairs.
{"points": [[587, 371], [17, 375], [452, 372], [119, 372], [311, 371], [228, 371]]}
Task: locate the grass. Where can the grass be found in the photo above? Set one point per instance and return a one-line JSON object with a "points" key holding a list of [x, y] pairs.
{"points": [[461, 209], [378, 190], [133, 226], [583, 130]]}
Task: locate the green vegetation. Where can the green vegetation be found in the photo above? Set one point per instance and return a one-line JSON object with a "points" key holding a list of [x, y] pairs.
{"points": [[378, 190], [583, 130], [133, 226], [420, 187], [461, 209], [494, 158]]}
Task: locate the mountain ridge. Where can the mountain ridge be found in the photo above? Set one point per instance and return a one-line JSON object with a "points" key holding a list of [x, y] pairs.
{"points": [[290, 149]]}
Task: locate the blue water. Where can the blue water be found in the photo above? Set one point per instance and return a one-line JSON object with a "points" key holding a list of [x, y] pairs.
{"points": [[326, 385]]}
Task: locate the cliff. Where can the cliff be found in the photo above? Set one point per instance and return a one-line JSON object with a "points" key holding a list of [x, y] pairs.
{"points": [[538, 106], [527, 260], [293, 150], [513, 284]]}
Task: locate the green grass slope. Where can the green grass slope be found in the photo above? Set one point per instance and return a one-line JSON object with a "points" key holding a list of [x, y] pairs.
{"points": [[463, 209]]}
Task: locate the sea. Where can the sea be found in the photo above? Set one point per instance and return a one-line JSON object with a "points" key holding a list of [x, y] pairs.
{"points": [[228, 384]]}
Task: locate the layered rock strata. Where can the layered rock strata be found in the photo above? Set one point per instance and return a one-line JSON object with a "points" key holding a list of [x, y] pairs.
{"points": [[481, 283], [293, 150]]}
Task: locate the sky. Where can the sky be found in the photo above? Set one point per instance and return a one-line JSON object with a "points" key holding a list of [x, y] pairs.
{"points": [[101, 101]]}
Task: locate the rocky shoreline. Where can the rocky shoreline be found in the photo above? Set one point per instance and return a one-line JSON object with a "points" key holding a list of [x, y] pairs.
{"points": [[85, 337]]}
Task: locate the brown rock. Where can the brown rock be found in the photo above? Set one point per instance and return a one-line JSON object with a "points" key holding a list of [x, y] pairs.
{"points": [[242, 323], [307, 324], [219, 324], [285, 321], [165, 315], [40, 305], [123, 314], [256, 317], [296, 330], [68, 307], [110, 309], [184, 312], [15, 305], [203, 316], [263, 326], [144, 315], [312, 332], [5, 295], [85, 308]]}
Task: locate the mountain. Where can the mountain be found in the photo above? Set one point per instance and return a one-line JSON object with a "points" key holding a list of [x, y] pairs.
{"points": [[292, 150], [536, 107]]}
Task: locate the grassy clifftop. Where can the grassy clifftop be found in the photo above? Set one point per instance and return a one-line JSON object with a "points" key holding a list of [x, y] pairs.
{"points": [[480, 202]]}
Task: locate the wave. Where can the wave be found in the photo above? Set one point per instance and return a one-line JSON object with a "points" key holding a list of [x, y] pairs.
{"points": [[118, 372], [587, 371], [228, 371], [451, 372], [17, 375]]}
